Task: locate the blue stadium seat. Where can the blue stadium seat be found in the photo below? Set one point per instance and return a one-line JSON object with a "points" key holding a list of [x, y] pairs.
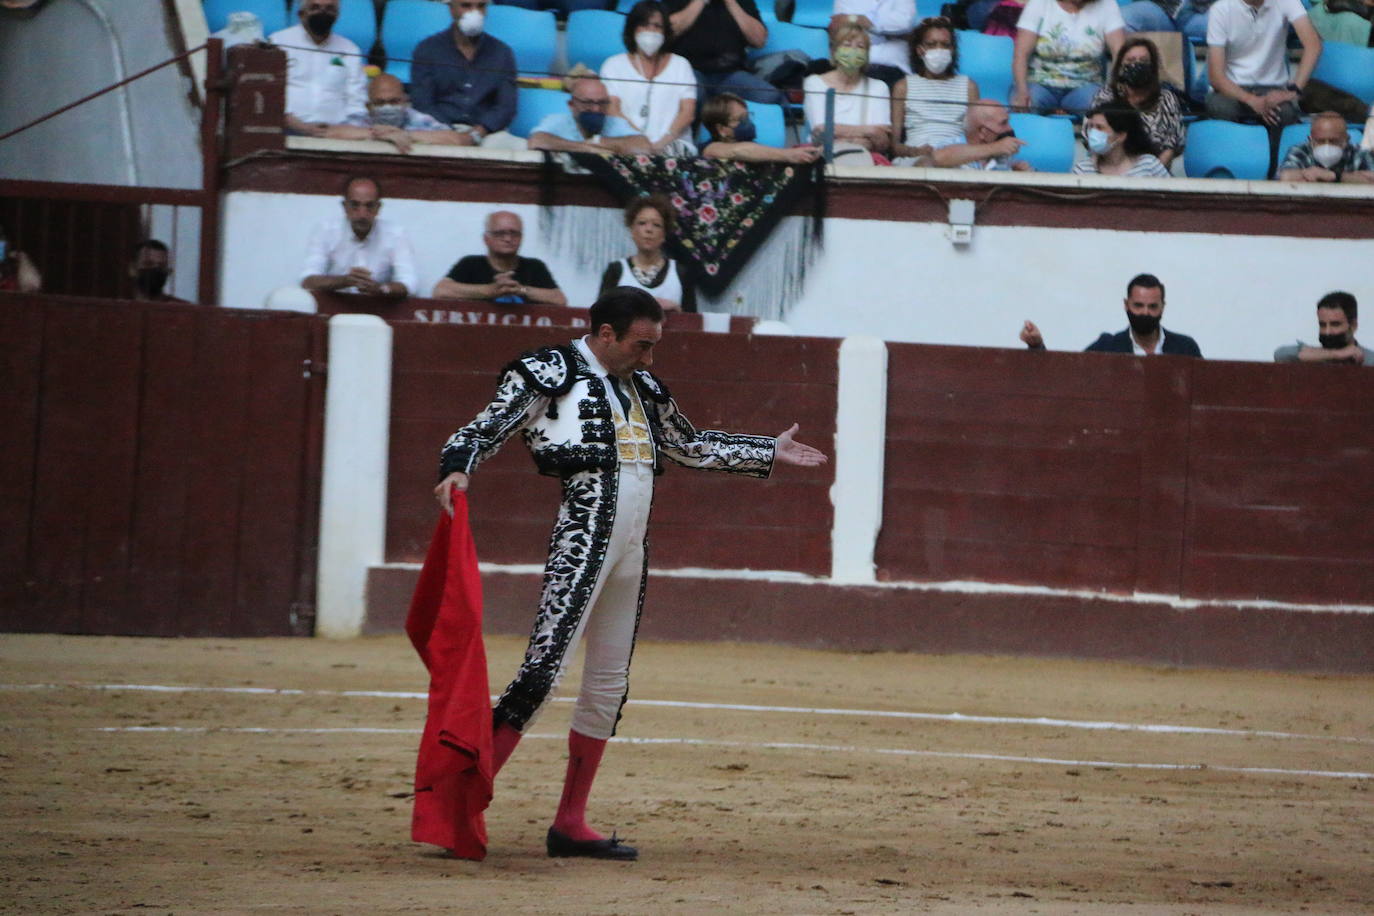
{"points": [[405, 23], [1294, 134], [594, 35], [1347, 67], [814, 14], [1224, 149], [986, 59], [784, 36], [768, 12], [533, 105], [927, 9], [768, 121], [531, 34], [1049, 141], [272, 13], [358, 23]]}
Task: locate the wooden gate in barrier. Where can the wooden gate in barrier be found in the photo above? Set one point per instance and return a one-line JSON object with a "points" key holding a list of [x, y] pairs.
{"points": [[161, 468]]}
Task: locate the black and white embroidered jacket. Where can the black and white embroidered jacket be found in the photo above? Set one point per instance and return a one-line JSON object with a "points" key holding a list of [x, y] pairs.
{"points": [[560, 405]]}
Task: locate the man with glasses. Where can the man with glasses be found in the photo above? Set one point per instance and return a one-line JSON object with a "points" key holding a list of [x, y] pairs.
{"points": [[586, 127], [501, 275], [360, 253]]}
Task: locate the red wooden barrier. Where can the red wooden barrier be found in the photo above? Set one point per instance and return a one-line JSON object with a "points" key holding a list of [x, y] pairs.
{"points": [[444, 374], [162, 468], [1166, 476]]}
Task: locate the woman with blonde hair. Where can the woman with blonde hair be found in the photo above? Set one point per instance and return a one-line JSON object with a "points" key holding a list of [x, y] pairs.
{"points": [[863, 116]]}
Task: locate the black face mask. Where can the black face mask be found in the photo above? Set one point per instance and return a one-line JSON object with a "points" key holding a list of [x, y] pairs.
{"points": [[151, 280], [320, 23], [1004, 135], [1143, 325], [1332, 341], [1136, 74]]}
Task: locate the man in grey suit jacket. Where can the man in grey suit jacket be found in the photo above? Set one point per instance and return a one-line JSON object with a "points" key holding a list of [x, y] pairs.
{"points": [[1145, 337]]}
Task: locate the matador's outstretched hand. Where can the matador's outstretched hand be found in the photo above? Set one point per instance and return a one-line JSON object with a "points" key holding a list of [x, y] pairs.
{"points": [[790, 451]]}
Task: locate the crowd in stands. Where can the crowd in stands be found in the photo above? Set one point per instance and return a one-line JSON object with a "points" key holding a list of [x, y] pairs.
{"points": [[889, 90]]}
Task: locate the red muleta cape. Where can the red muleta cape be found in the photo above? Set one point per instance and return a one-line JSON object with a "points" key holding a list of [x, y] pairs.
{"points": [[453, 773]]}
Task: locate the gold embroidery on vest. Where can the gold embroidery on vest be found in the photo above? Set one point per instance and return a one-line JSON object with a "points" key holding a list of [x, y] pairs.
{"points": [[632, 438]]}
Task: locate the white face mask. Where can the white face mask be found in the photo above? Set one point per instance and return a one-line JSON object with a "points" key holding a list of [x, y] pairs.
{"points": [[649, 43], [471, 23], [1327, 154], [937, 59]]}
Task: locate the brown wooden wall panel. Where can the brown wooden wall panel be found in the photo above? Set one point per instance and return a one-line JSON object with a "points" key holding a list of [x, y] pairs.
{"points": [[173, 465], [21, 354], [444, 374]]}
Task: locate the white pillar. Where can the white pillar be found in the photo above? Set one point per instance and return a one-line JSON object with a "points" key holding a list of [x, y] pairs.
{"points": [[357, 422], [860, 438]]}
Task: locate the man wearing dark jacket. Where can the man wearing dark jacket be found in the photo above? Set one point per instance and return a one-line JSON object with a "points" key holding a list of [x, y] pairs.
{"points": [[1145, 337]]}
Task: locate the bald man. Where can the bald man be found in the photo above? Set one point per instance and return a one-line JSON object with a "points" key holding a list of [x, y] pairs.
{"points": [[1328, 155], [390, 117], [989, 143], [587, 127]]}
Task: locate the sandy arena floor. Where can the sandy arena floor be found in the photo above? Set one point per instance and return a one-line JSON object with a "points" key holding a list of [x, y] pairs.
{"points": [[847, 787]]}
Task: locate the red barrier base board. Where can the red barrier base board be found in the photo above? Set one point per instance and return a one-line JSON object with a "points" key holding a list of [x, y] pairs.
{"points": [[816, 615]]}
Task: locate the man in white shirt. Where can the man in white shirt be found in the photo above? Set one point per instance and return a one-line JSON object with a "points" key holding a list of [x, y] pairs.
{"points": [[360, 253], [324, 72], [1247, 60]]}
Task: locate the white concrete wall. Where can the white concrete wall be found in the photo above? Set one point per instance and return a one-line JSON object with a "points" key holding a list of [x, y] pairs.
{"points": [[1239, 296]]}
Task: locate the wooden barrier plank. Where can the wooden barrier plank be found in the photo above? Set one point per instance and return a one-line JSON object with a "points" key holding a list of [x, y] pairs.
{"points": [[1340, 532], [1163, 485], [1306, 388], [161, 487], [1300, 435], [1270, 578], [674, 546], [21, 329], [1086, 566], [1010, 469], [925, 367], [1267, 480], [217, 438], [271, 509], [1012, 519]]}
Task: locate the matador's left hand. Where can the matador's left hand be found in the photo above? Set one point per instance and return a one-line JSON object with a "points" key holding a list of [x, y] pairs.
{"points": [[789, 451]]}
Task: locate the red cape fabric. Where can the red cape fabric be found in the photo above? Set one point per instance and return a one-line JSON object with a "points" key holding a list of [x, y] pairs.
{"points": [[453, 775]]}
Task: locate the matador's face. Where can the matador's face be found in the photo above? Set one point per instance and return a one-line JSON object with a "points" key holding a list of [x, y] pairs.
{"points": [[634, 350]]}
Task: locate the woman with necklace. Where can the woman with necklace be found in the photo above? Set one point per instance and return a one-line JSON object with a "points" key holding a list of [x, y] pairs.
{"points": [[1135, 81], [652, 89], [649, 220], [1117, 145], [863, 114]]}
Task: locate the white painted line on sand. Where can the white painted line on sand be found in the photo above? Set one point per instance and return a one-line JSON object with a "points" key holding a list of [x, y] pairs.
{"points": [[954, 717], [773, 745]]}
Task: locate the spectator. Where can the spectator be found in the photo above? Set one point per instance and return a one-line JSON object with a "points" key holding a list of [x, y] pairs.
{"points": [[1145, 336], [731, 134], [1336, 323], [888, 23], [652, 89], [17, 273], [501, 275], [360, 253], [585, 127], [988, 142], [1135, 81], [390, 117], [714, 36], [1118, 145], [863, 108], [1151, 16], [1057, 63], [930, 105], [466, 78], [1247, 60], [150, 267], [1328, 155], [324, 71], [650, 220]]}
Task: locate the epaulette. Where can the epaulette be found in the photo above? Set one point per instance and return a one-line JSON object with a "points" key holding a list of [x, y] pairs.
{"points": [[549, 370]]}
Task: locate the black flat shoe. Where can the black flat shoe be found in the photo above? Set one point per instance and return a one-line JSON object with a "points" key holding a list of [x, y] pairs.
{"points": [[560, 845]]}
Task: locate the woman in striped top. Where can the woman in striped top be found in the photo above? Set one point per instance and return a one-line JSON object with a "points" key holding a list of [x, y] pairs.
{"points": [[928, 106], [1118, 145]]}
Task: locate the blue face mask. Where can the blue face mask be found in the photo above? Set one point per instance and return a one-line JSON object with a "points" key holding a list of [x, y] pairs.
{"points": [[591, 121], [1097, 141], [745, 132]]}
